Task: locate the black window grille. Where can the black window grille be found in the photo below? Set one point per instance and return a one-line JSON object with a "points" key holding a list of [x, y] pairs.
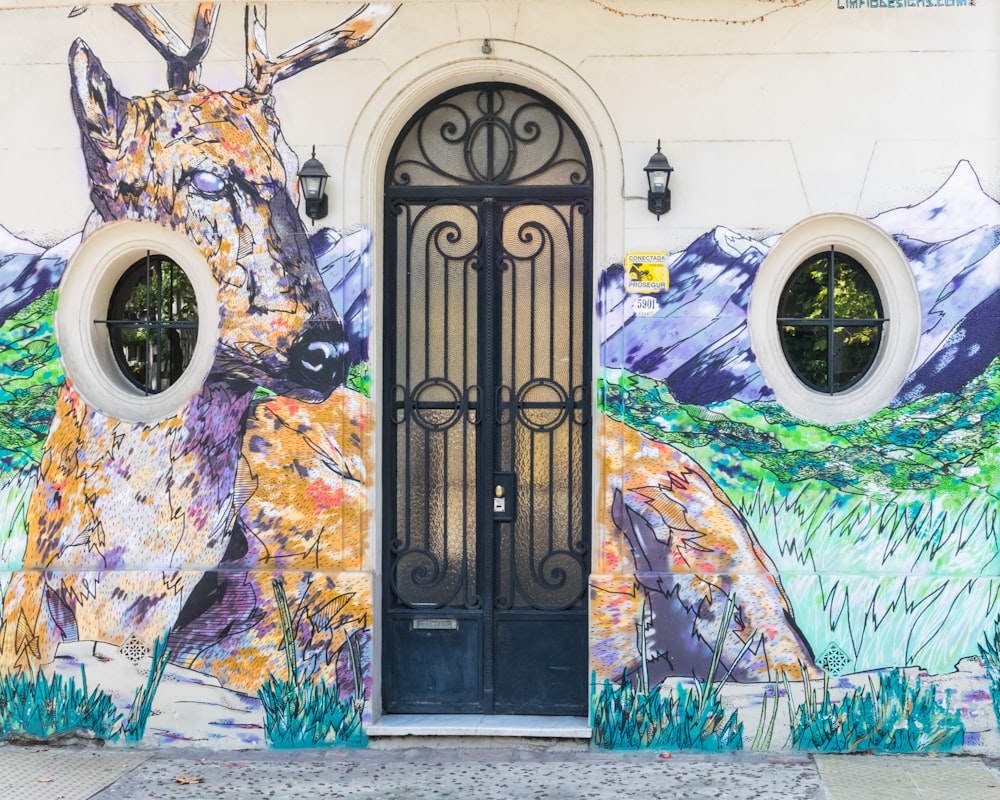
{"points": [[830, 321], [153, 323]]}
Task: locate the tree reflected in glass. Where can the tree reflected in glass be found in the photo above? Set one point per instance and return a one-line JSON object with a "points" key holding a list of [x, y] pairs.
{"points": [[830, 322]]}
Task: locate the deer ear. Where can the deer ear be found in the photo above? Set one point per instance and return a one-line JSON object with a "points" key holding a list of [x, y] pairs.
{"points": [[96, 104]]}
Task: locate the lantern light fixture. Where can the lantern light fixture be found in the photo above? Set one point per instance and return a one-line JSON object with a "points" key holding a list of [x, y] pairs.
{"points": [[658, 175], [312, 183]]}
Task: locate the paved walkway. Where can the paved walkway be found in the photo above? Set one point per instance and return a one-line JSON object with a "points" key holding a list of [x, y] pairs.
{"points": [[450, 773]]}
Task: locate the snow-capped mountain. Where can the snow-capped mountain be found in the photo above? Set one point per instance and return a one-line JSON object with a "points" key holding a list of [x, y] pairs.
{"points": [[27, 270], [952, 241], [697, 343], [9, 243]]}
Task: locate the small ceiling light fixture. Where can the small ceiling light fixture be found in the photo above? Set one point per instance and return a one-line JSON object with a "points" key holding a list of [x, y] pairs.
{"points": [[658, 175], [312, 183], [487, 47]]}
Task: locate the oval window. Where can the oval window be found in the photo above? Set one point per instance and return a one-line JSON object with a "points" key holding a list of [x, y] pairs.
{"points": [[830, 322], [153, 323], [137, 332], [834, 318]]}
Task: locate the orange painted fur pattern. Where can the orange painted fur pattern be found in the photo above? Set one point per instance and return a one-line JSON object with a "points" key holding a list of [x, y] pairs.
{"points": [[690, 549], [130, 522]]}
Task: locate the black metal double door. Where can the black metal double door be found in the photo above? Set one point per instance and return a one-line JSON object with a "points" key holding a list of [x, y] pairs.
{"points": [[487, 266], [487, 545], [487, 549]]}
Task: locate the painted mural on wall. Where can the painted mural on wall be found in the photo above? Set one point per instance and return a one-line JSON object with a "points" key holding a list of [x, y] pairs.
{"points": [[759, 547], [201, 579], [215, 555]]}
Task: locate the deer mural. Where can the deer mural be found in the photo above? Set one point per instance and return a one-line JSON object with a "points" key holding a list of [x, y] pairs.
{"points": [[130, 521]]}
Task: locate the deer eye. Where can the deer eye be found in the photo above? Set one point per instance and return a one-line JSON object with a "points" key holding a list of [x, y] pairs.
{"points": [[207, 183]]}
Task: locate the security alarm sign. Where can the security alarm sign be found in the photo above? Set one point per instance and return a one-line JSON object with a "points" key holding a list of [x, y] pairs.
{"points": [[646, 273]]}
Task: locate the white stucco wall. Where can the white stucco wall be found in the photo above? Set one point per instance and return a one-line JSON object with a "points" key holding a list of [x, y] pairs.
{"points": [[816, 108]]}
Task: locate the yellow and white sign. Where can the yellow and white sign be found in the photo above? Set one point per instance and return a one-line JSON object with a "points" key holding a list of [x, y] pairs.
{"points": [[646, 273]]}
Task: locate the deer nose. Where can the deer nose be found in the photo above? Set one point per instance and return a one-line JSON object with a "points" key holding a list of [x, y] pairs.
{"points": [[320, 360]]}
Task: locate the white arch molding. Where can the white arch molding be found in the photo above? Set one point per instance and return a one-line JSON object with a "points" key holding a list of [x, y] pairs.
{"points": [[390, 107], [456, 64]]}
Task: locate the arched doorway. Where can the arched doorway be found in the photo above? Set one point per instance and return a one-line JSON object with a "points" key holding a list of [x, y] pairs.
{"points": [[487, 258]]}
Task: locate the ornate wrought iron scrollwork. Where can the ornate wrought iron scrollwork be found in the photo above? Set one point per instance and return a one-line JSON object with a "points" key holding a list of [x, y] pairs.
{"points": [[542, 404], [437, 404], [499, 135], [419, 578], [491, 286], [556, 581]]}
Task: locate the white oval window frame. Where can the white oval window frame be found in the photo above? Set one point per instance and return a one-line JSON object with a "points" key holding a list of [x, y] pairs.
{"points": [[84, 296], [892, 274]]}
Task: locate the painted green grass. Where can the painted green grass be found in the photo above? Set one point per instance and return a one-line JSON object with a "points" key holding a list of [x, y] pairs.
{"points": [[30, 376], [900, 585], [989, 650], [300, 712], [44, 707], [632, 717], [894, 716], [940, 442], [898, 512], [359, 378], [133, 728], [627, 718]]}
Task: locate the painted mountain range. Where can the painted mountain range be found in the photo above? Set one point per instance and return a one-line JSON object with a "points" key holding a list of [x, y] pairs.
{"points": [[28, 271], [951, 238]]}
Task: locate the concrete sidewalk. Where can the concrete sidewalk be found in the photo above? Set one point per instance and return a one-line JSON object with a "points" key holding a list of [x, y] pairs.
{"points": [[481, 773]]}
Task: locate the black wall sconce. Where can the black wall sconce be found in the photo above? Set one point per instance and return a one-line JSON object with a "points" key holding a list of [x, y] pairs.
{"points": [[312, 183], [658, 174]]}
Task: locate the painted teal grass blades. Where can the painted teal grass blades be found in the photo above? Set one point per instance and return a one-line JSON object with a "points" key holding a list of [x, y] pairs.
{"points": [[894, 717], [310, 715], [134, 727], [627, 718], [304, 713], [44, 707], [989, 651]]}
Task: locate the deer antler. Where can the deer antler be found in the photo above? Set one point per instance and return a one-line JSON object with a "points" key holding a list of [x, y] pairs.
{"points": [[263, 72], [183, 61]]}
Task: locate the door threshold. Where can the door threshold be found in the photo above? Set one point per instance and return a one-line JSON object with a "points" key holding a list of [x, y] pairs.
{"points": [[522, 727]]}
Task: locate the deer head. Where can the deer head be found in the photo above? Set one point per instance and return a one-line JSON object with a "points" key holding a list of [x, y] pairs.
{"points": [[214, 166]]}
